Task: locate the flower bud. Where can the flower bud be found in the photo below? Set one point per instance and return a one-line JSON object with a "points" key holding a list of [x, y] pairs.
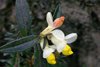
{"points": [[58, 22]]}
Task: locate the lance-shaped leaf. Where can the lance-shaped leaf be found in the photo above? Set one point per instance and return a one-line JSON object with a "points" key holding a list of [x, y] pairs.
{"points": [[23, 17], [17, 42], [57, 12], [38, 59], [20, 47]]}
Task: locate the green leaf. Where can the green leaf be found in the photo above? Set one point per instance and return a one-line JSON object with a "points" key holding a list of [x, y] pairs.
{"points": [[38, 60], [23, 17], [57, 12], [19, 48], [17, 62], [19, 44]]}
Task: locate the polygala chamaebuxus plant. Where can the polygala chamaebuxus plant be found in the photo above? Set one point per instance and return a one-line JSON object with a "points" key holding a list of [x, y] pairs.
{"points": [[58, 39], [26, 39]]}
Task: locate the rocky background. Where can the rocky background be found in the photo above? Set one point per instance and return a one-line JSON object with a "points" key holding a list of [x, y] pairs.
{"points": [[82, 17]]}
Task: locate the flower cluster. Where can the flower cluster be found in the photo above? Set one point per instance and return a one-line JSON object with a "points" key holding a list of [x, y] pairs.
{"points": [[57, 37]]}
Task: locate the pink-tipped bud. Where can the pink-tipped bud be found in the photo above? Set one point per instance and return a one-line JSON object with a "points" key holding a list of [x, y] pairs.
{"points": [[58, 22]]}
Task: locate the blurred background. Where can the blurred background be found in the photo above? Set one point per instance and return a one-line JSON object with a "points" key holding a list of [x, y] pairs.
{"points": [[81, 17]]}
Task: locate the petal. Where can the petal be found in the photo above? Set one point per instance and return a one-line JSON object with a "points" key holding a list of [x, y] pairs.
{"points": [[71, 37], [51, 59], [47, 52], [58, 34], [67, 50], [55, 41], [49, 19], [58, 44], [53, 46], [42, 42], [60, 47]]}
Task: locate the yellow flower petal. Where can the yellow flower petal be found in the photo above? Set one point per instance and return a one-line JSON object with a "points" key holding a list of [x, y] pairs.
{"points": [[51, 59], [67, 51]]}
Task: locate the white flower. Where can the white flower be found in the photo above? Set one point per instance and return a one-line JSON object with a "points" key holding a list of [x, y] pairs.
{"points": [[60, 40], [52, 24], [48, 52]]}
